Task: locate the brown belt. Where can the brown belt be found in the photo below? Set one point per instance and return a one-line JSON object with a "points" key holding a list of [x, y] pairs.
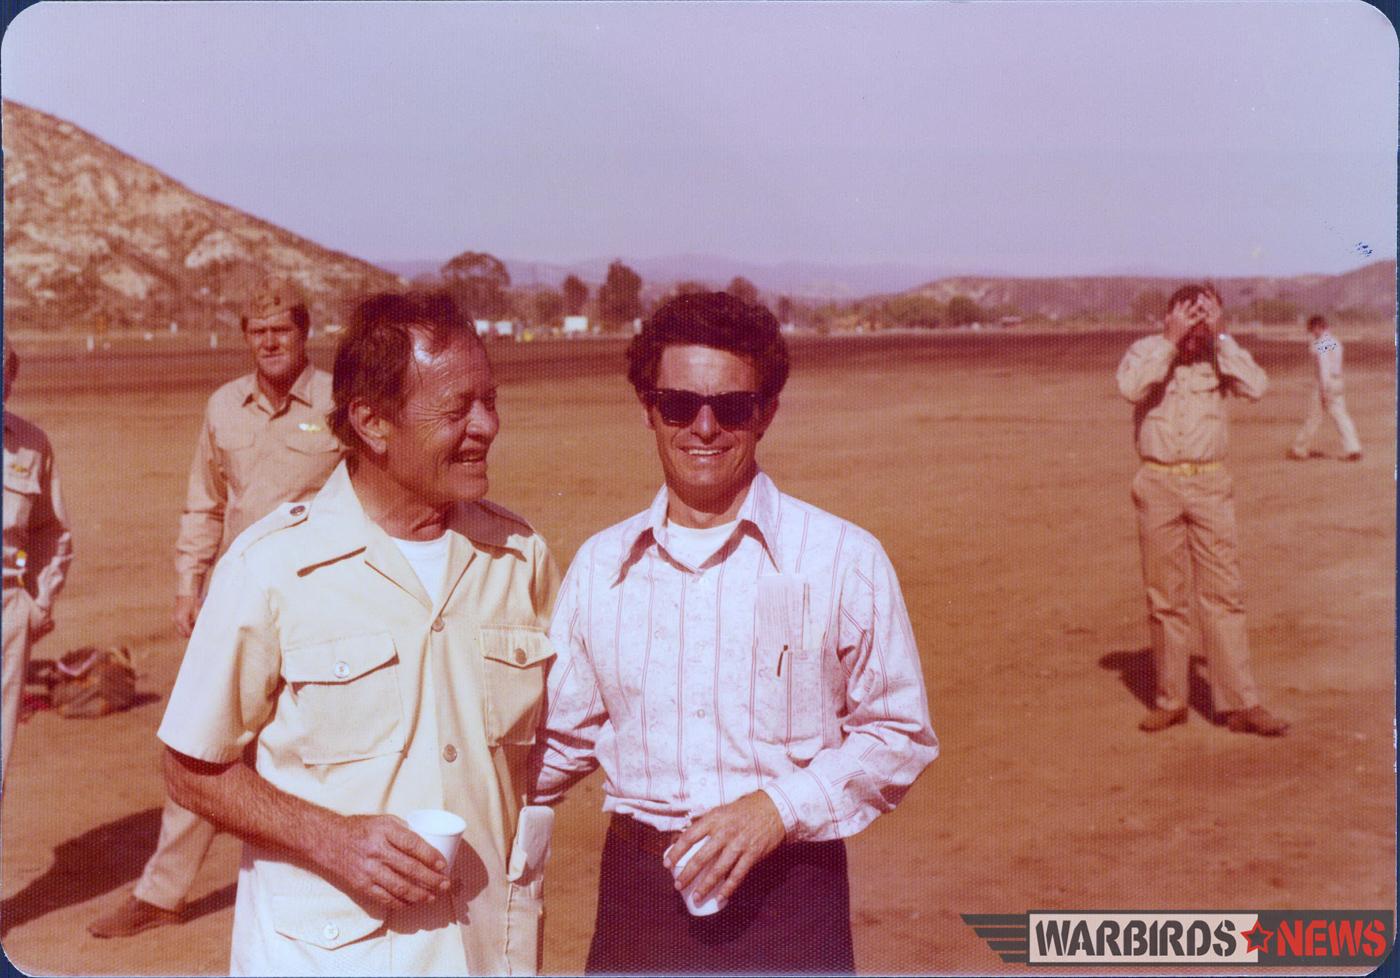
{"points": [[642, 835]]}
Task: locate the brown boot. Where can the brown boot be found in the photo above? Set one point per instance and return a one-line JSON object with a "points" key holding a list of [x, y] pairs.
{"points": [[132, 917], [1160, 719], [1257, 720]]}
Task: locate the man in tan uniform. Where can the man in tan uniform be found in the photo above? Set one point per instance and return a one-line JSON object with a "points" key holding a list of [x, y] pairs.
{"points": [[38, 548], [1328, 398], [379, 649], [265, 441], [1177, 382]]}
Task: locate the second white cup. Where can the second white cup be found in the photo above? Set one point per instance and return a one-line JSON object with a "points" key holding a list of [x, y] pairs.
{"points": [[441, 830]]}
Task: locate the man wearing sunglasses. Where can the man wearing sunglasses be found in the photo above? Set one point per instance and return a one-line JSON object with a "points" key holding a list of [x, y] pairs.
{"points": [[742, 667]]}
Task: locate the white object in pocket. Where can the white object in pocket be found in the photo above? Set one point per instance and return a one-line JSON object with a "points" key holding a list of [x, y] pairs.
{"points": [[528, 855]]}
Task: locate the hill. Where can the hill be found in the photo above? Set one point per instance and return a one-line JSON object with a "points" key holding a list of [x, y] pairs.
{"points": [[1369, 290], [95, 238]]}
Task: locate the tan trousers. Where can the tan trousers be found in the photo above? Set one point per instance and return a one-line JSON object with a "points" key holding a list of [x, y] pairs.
{"points": [[14, 623], [1337, 408], [1190, 550], [184, 841]]}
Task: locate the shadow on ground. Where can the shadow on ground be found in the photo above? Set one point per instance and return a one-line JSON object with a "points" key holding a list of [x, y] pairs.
{"points": [[1135, 669], [98, 861]]}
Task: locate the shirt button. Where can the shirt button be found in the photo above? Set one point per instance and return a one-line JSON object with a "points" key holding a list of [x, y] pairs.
{"points": [[341, 670], [700, 714], [449, 753], [331, 931], [520, 656], [297, 511], [437, 624]]}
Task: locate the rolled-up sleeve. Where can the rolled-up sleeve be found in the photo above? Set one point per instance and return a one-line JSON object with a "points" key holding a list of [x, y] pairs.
{"points": [[202, 522], [888, 737], [1144, 365], [574, 714], [1235, 361], [224, 693]]}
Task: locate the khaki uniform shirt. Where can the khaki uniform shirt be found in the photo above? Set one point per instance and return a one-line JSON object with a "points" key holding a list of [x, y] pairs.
{"points": [[38, 542], [1181, 417], [318, 642], [250, 458]]}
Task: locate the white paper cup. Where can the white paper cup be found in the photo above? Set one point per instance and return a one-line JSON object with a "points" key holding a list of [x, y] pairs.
{"points": [[713, 904], [441, 830]]}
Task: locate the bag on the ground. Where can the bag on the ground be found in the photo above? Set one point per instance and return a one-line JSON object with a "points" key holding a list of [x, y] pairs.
{"points": [[93, 681]]}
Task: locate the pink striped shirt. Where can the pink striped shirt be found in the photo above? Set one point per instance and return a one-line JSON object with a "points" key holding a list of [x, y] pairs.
{"points": [[785, 662]]}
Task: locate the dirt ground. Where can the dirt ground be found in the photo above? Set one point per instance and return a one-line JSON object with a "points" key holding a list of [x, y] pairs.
{"points": [[995, 469]]}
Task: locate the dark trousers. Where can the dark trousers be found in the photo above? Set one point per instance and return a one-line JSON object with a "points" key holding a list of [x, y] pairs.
{"points": [[791, 915]]}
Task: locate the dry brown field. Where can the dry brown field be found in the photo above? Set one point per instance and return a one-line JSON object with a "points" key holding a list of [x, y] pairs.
{"points": [[995, 469]]}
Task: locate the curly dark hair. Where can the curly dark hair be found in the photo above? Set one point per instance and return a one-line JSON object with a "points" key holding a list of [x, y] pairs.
{"points": [[371, 362], [715, 319], [1188, 293]]}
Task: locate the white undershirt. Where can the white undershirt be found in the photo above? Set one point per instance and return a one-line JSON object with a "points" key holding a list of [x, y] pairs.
{"points": [[428, 558], [693, 546]]}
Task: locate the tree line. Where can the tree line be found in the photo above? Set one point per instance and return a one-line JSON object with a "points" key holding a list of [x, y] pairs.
{"points": [[481, 285]]}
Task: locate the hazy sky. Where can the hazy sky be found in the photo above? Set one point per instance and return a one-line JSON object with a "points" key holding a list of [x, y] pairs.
{"points": [[1031, 138]]}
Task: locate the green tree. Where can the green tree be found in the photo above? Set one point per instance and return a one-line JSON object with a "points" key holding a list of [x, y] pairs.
{"points": [[913, 310], [620, 295], [742, 289], [962, 311], [478, 281], [549, 307], [785, 309], [690, 287], [575, 295]]}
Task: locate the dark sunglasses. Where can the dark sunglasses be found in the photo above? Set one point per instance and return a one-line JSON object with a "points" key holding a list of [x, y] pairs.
{"points": [[732, 409]]}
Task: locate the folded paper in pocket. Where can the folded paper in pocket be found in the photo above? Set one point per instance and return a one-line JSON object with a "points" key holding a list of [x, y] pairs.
{"points": [[531, 849]]}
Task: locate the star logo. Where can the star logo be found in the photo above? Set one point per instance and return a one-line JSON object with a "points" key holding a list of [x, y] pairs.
{"points": [[1257, 937]]}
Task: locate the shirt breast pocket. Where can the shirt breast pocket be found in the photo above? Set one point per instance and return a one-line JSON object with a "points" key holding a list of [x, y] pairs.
{"points": [[346, 696], [314, 439], [233, 439], [513, 658], [788, 686]]}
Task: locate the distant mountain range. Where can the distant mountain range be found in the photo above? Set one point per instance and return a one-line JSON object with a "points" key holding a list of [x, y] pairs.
{"points": [[1370, 288], [95, 236]]}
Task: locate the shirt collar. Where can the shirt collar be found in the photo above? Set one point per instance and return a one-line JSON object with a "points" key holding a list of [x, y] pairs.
{"points": [[758, 515], [342, 530], [300, 390]]}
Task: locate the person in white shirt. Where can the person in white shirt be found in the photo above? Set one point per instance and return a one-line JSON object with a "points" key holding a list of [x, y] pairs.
{"points": [[741, 665], [1328, 398]]}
